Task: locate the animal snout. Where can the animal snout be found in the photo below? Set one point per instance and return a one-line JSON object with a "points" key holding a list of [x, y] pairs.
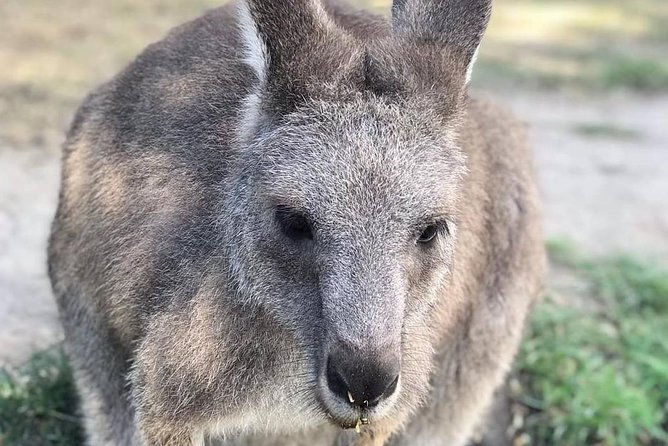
{"points": [[360, 379]]}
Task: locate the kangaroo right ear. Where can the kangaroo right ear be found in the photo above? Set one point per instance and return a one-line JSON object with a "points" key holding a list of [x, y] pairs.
{"points": [[292, 45], [457, 23]]}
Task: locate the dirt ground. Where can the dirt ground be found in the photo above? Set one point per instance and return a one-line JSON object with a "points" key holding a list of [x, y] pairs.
{"points": [[601, 161]]}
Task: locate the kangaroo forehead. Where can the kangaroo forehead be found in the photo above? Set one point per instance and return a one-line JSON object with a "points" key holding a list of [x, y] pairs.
{"points": [[359, 141], [368, 197], [360, 164]]}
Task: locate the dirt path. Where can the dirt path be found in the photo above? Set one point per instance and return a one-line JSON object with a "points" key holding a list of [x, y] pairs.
{"points": [[602, 163], [603, 169], [28, 191]]}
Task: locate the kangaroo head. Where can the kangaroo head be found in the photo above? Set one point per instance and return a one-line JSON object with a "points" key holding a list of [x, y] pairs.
{"points": [[344, 209]]}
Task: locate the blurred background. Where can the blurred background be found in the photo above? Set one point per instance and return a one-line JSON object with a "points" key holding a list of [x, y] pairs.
{"points": [[589, 78]]}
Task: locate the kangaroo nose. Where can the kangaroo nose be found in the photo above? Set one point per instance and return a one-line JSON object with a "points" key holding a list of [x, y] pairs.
{"points": [[361, 381]]}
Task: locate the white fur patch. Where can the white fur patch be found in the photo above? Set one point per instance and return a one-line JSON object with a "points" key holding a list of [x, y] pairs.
{"points": [[197, 439], [249, 114], [256, 54], [321, 14], [270, 416], [469, 70]]}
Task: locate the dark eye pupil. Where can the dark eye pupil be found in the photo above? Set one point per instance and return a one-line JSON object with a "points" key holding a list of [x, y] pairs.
{"points": [[429, 234], [294, 225]]}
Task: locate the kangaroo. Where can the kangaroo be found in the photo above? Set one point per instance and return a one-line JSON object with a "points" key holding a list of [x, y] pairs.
{"points": [[288, 223]]}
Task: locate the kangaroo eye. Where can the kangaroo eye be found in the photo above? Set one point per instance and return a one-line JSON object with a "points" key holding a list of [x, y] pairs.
{"points": [[294, 225], [430, 233]]}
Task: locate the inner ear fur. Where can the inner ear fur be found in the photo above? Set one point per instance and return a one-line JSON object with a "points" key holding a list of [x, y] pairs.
{"points": [[457, 24], [295, 49]]}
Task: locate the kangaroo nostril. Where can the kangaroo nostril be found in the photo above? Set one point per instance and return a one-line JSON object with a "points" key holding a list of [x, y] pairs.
{"points": [[389, 390], [361, 382], [335, 381]]}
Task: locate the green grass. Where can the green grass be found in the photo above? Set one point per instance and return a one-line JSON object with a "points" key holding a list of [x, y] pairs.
{"points": [[599, 377], [601, 130], [635, 73], [38, 403], [590, 45]]}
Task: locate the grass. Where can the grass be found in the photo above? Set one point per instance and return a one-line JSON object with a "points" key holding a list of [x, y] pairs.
{"points": [[584, 70], [592, 45], [598, 377], [601, 130], [635, 73], [38, 403]]}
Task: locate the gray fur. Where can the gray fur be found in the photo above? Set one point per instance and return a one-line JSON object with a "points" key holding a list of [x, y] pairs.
{"points": [[191, 318]]}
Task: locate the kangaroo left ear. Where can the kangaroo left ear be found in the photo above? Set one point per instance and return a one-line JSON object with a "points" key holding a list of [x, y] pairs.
{"points": [[456, 23], [294, 48]]}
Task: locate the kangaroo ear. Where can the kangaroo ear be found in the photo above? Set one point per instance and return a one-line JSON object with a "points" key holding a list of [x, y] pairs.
{"points": [[457, 23], [293, 46]]}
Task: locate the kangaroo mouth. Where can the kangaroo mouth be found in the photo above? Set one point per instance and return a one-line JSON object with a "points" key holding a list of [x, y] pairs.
{"points": [[352, 422]]}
